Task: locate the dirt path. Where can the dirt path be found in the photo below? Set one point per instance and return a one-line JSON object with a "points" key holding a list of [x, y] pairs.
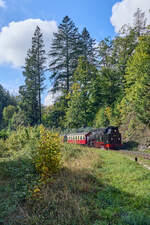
{"points": [[146, 166]]}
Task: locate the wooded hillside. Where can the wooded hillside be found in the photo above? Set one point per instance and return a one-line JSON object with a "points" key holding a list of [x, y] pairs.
{"points": [[101, 84]]}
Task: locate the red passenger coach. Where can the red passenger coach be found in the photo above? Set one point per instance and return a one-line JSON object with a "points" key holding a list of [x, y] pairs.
{"points": [[78, 138]]}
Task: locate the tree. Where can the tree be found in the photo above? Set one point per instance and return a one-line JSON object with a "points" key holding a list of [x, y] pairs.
{"points": [[5, 100], [139, 25], [54, 116], [110, 74], [34, 79], [88, 49], [63, 55], [137, 98], [80, 110], [8, 112]]}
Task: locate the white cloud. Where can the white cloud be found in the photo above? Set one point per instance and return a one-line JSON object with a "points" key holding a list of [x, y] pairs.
{"points": [[122, 12], [15, 39], [2, 4], [51, 98]]}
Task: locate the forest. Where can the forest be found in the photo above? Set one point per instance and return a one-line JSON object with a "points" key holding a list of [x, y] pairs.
{"points": [[46, 181], [98, 83]]}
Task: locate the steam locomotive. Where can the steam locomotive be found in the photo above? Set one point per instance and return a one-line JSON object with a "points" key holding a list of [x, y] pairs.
{"points": [[108, 138]]}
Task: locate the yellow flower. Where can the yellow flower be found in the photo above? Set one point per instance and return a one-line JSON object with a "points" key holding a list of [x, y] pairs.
{"points": [[36, 190]]}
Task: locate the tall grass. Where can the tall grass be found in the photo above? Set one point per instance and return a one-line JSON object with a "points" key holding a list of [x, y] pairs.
{"points": [[93, 187]]}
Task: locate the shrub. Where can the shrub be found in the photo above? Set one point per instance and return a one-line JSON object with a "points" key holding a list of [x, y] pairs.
{"points": [[135, 219], [3, 148], [22, 136], [48, 158], [3, 134]]}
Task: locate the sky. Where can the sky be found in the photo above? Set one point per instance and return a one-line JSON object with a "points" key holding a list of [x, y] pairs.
{"points": [[19, 18]]}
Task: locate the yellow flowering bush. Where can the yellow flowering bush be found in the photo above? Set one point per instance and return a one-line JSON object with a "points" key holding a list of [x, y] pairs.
{"points": [[48, 156]]}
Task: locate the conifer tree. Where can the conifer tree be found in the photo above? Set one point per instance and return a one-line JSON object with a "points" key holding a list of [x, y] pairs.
{"points": [[88, 49], [34, 78], [139, 25], [63, 55]]}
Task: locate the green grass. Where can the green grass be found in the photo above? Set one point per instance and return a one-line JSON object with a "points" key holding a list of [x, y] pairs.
{"points": [[17, 174], [126, 196], [93, 187]]}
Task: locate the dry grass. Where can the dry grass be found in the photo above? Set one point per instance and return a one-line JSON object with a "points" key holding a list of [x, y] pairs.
{"points": [[61, 201]]}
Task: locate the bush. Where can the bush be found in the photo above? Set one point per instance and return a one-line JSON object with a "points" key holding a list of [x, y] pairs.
{"points": [[48, 158], [3, 148], [135, 219], [22, 138], [3, 134]]}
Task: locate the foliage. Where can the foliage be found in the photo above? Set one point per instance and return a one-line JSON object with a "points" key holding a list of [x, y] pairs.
{"points": [[19, 139], [18, 119], [88, 49], [3, 134], [8, 112], [63, 55], [34, 78], [17, 172], [137, 83], [93, 187], [80, 96], [101, 119], [54, 116], [48, 158], [5, 100]]}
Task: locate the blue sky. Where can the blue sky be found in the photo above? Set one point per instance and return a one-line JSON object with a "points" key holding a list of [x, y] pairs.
{"points": [[18, 19]]}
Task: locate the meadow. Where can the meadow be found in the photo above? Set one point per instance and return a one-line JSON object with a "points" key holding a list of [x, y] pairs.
{"points": [[92, 187]]}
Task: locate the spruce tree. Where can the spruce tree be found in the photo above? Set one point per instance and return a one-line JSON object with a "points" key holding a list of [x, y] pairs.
{"points": [[39, 64], [63, 55], [88, 49], [34, 78], [139, 22]]}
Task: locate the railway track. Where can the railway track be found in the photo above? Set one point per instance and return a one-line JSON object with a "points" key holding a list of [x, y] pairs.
{"points": [[136, 153]]}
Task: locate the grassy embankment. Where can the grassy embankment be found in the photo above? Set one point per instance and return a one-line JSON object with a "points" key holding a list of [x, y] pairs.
{"points": [[94, 187]]}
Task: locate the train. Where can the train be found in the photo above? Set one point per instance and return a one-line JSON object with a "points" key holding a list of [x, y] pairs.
{"points": [[107, 138]]}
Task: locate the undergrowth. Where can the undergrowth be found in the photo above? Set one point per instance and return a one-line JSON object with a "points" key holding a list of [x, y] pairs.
{"points": [[92, 187]]}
